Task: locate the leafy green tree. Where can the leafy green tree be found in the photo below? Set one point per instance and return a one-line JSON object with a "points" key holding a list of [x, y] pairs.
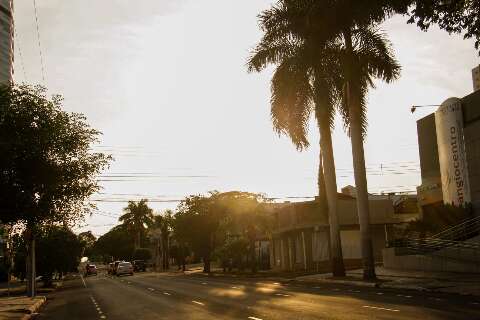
{"points": [[161, 225], [180, 233], [200, 218], [137, 216], [116, 244], [246, 219], [142, 254], [233, 252], [455, 16], [47, 168], [58, 250], [87, 241], [19, 250]]}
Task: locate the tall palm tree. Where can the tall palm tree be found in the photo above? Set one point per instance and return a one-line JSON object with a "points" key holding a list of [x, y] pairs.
{"points": [[305, 82], [363, 53], [163, 223], [137, 215]]}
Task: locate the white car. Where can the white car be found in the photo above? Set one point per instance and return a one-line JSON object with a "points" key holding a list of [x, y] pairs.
{"points": [[124, 268]]}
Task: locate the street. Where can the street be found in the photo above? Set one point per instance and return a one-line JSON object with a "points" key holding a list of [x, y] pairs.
{"points": [[161, 296]]}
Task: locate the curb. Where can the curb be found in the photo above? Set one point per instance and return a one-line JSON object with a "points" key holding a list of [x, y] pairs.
{"points": [[31, 311], [347, 282]]}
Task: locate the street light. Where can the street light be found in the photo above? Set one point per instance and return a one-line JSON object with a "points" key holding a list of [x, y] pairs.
{"points": [[413, 108]]}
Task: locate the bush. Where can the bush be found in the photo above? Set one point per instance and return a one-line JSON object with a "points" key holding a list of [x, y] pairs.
{"points": [[142, 254]]}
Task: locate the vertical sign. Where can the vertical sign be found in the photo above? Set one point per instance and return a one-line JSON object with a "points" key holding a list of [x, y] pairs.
{"points": [[451, 153]]}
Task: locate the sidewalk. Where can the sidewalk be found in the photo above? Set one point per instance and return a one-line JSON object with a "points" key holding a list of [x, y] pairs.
{"points": [[447, 282], [20, 307]]}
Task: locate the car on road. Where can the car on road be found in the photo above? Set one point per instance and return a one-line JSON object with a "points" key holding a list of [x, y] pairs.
{"points": [[112, 267], [139, 265], [124, 268], [90, 269]]}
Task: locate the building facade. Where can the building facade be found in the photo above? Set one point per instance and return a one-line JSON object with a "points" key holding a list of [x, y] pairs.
{"points": [[6, 41], [459, 165], [476, 78], [300, 235]]}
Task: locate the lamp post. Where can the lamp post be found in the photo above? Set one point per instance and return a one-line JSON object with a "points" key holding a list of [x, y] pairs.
{"points": [[414, 108]]}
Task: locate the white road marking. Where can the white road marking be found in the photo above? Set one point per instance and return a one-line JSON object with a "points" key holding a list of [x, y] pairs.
{"points": [[103, 317], [151, 289], [167, 294], [380, 308], [198, 302], [380, 293], [83, 280], [235, 288], [204, 283], [129, 282], [275, 283], [254, 318]]}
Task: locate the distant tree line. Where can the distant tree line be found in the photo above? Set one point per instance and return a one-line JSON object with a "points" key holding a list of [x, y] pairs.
{"points": [[217, 226]]}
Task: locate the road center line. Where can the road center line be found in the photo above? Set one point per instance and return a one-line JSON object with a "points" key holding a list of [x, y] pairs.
{"points": [[380, 308], [198, 302]]}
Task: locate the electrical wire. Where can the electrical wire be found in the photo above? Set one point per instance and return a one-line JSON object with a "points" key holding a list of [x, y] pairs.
{"points": [[39, 42], [18, 47]]}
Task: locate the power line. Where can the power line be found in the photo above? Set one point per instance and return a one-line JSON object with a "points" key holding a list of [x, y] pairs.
{"points": [[38, 38], [20, 53]]}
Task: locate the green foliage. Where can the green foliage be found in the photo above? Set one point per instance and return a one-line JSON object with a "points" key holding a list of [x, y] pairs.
{"points": [[457, 16], [203, 223], [233, 253], [137, 216], [58, 250], [47, 169], [19, 256], [87, 241], [305, 40], [142, 254], [116, 244]]}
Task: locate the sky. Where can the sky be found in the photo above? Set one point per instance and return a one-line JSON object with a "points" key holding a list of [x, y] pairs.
{"points": [[165, 82]]}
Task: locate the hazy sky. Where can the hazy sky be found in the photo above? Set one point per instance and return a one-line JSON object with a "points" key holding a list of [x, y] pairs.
{"points": [[166, 83]]}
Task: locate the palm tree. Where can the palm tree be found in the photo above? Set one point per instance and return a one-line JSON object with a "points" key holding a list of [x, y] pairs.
{"points": [[163, 223], [305, 81], [137, 215], [362, 54]]}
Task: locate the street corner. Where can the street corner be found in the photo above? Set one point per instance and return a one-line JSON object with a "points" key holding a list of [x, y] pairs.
{"points": [[20, 307]]}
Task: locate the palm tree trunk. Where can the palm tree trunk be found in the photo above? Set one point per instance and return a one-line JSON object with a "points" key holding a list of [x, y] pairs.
{"points": [[356, 136], [338, 268]]}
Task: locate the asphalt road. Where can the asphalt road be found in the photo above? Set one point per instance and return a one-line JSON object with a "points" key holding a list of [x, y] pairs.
{"points": [[158, 296]]}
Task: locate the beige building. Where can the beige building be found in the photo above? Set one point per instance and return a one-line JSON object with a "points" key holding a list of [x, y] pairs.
{"points": [[300, 235], [476, 78], [6, 41]]}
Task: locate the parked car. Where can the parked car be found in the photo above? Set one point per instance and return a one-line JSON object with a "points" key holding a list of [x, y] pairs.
{"points": [[124, 268], [90, 269], [139, 265]]}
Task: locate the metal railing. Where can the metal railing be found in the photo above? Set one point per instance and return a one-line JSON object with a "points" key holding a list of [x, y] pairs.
{"points": [[456, 250], [460, 232]]}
